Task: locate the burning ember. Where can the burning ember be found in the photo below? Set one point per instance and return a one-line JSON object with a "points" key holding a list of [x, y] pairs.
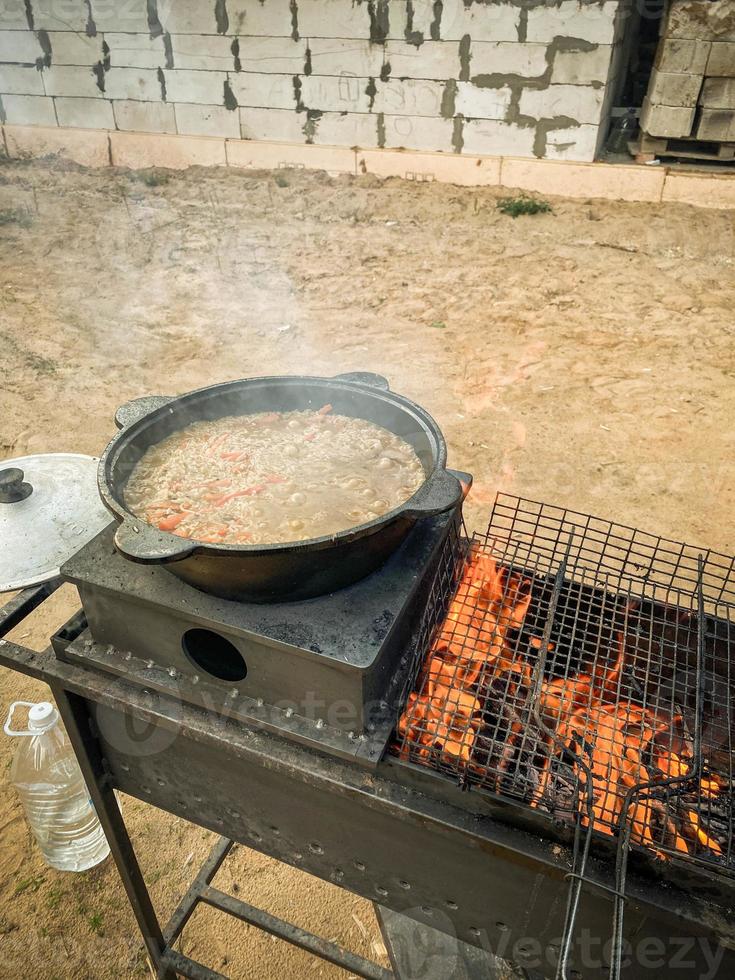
{"points": [[496, 707]]}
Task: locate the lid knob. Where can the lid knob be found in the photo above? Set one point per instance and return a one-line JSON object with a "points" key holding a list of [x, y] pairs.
{"points": [[12, 487]]}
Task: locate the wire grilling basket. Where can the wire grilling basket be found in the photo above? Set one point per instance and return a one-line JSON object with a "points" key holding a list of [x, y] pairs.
{"points": [[582, 669]]}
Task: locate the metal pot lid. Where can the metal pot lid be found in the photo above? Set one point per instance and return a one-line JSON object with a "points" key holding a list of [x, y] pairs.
{"points": [[49, 508]]}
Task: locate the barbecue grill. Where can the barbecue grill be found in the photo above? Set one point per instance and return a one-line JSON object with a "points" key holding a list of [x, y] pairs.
{"points": [[522, 737], [582, 671]]}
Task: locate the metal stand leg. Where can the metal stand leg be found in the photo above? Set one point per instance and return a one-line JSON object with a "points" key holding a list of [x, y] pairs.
{"points": [[201, 890], [167, 961], [75, 715], [188, 903]]}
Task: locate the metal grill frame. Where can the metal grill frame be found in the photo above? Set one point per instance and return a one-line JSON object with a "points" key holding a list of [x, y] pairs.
{"points": [[533, 542], [578, 588]]}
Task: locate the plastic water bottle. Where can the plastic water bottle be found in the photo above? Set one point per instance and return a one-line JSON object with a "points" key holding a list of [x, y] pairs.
{"points": [[55, 798], [623, 131]]}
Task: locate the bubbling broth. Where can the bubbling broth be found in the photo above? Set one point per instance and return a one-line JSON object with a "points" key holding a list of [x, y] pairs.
{"points": [[272, 477]]}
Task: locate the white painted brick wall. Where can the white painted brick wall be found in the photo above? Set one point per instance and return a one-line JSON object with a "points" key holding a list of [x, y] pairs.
{"points": [[20, 80], [136, 51], [409, 97], [58, 15], [423, 16], [13, 15], [342, 66], [581, 67], [282, 125], [436, 60], [207, 120], [504, 58], [125, 16], [622, 19], [84, 113], [482, 103], [273, 54], [29, 110], [580, 102], [593, 22], [188, 16], [613, 87], [327, 18], [483, 22], [489, 136], [343, 93], [418, 133], [19, 47], [270, 19], [68, 48], [133, 83], [263, 91], [212, 52], [198, 87], [399, 20], [145, 117], [333, 57], [71, 81], [347, 129], [578, 143]]}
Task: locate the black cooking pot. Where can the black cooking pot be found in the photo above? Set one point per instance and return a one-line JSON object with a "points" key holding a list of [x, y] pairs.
{"points": [[269, 572]]}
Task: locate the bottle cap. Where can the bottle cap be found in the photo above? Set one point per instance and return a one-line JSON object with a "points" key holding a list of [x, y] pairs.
{"points": [[42, 716]]}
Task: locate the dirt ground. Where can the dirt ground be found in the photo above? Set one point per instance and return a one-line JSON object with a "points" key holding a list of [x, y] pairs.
{"points": [[583, 357]]}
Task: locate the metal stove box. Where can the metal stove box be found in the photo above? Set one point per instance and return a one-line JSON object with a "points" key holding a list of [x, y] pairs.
{"points": [[327, 670]]}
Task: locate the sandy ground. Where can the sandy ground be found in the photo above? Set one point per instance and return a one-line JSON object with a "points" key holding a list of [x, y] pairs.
{"points": [[583, 357]]}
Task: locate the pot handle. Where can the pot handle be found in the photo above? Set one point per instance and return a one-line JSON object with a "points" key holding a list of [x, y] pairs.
{"points": [[145, 544], [440, 494], [134, 410], [364, 378]]}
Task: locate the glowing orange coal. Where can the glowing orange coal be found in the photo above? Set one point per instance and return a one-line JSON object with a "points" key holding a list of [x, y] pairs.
{"points": [[445, 715], [620, 746]]}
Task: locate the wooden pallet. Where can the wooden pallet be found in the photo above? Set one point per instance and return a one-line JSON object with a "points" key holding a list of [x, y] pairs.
{"points": [[649, 147]]}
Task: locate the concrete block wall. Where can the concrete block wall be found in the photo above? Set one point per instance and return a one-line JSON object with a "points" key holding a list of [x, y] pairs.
{"points": [[527, 78]]}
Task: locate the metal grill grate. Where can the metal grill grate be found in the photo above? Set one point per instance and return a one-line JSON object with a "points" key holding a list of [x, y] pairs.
{"points": [[583, 669], [624, 555]]}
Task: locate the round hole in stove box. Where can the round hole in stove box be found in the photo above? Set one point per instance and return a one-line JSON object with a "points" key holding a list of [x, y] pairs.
{"points": [[214, 654]]}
